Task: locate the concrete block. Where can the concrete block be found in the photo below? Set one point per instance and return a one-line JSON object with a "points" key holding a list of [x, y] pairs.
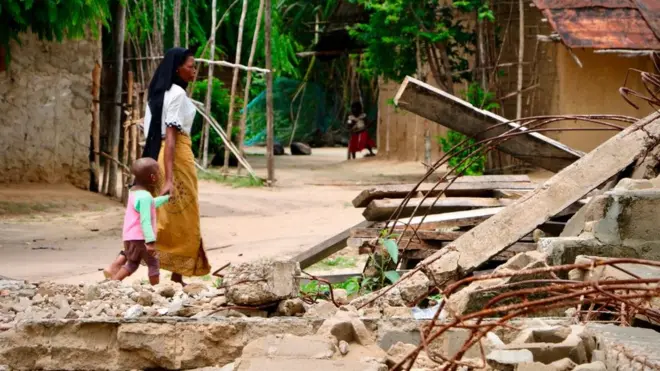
{"points": [[508, 360], [550, 344]]}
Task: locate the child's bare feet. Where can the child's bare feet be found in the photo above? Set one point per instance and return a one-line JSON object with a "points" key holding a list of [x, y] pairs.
{"points": [[114, 267]]}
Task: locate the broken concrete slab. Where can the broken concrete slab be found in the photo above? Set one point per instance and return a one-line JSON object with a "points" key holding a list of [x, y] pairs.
{"points": [[290, 346], [454, 113], [348, 327], [625, 348], [263, 281], [551, 344], [508, 360], [506, 227], [475, 296], [278, 364], [620, 223]]}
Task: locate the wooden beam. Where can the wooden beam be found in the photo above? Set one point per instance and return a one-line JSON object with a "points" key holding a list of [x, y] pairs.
{"points": [[372, 233], [456, 189], [503, 256], [510, 224], [326, 248], [449, 111], [381, 210]]}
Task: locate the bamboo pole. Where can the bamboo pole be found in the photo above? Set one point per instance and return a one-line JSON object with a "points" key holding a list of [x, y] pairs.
{"points": [[248, 82], [234, 81], [521, 57], [221, 133], [96, 127], [209, 87], [135, 133], [177, 22], [127, 137], [269, 94], [116, 119]]}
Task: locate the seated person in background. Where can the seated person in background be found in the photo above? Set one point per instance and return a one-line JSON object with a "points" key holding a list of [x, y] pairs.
{"points": [[358, 128]]}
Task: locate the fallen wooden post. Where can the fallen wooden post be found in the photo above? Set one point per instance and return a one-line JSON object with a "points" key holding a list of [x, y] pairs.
{"points": [[326, 248], [509, 225], [457, 189], [454, 113], [381, 210]]}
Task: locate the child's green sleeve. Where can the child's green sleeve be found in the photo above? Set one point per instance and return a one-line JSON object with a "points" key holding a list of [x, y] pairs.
{"points": [[143, 206], [160, 200]]}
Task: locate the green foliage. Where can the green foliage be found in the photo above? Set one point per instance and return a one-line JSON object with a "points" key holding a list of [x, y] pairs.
{"points": [[233, 181], [382, 263], [320, 290], [338, 262], [50, 20], [468, 163], [397, 28], [219, 111]]}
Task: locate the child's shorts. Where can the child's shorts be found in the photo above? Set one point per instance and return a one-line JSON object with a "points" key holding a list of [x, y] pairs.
{"points": [[136, 252]]}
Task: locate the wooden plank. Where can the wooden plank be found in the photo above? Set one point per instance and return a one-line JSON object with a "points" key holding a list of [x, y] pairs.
{"points": [[449, 111], [510, 252], [381, 210], [372, 233], [447, 220], [339, 277], [456, 189], [509, 225], [326, 248]]}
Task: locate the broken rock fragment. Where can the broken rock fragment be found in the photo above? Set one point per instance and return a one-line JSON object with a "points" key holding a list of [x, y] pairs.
{"points": [[263, 281]]}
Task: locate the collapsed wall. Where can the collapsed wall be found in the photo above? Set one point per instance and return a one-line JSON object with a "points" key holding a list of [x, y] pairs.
{"points": [[46, 101]]}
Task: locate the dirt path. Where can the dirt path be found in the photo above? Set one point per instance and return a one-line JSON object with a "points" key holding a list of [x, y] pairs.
{"points": [[66, 235]]}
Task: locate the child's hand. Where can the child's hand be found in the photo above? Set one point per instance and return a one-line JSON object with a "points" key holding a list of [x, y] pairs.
{"points": [[151, 248]]}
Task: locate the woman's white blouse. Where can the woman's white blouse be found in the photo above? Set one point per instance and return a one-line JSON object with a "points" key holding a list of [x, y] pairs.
{"points": [[178, 111]]}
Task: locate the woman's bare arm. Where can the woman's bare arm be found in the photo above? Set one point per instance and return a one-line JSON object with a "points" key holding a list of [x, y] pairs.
{"points": [[170, 144]]}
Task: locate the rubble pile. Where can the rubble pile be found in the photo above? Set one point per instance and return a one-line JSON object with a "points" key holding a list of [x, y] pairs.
{"points": [[270, 284]]}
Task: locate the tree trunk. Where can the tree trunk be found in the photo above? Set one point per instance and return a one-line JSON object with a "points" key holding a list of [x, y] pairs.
{"points": [[177, 22], [127, 138], [187, 23], [115, 127], [269, 94], [234, 81], [209, 87], [248, 82]]}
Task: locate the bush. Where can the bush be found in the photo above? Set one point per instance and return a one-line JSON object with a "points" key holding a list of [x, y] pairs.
{"points": [[475, 163], [219, 111]]}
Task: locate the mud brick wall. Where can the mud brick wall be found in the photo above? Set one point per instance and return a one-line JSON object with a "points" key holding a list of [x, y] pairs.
{"points": [[45, 111]]}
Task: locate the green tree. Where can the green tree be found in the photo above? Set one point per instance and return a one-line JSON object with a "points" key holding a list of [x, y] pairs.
{"points": [[50, 20]]}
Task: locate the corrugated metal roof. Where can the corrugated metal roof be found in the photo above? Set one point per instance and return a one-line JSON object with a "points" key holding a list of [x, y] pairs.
{"points": [[605, 24]]}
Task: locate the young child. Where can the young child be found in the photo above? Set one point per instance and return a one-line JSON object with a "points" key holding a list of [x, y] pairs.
{"points": [[358, 128], [140, 224]]}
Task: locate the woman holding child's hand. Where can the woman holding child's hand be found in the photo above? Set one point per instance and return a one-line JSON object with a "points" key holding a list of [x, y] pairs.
{"points": [[167, 125]]}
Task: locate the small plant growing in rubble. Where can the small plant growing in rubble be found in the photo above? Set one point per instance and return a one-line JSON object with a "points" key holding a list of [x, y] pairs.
{"points": [[382, 262]]}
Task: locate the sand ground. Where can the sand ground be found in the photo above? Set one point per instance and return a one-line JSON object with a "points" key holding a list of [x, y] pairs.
{"points": [[62, 234]]}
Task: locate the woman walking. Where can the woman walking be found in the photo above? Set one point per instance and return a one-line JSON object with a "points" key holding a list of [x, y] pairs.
{"points": [[167, 124]]}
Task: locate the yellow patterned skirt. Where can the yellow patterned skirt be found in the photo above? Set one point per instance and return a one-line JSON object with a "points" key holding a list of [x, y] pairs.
{"points": [[179, 240]]}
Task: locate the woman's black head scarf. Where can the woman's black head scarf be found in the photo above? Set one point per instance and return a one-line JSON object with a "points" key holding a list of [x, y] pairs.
{"points": [[162, 81]]}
